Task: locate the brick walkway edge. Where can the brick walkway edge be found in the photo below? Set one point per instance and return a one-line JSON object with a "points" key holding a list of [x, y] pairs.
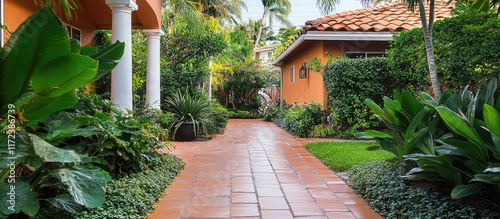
{"points": [[256, 170]]}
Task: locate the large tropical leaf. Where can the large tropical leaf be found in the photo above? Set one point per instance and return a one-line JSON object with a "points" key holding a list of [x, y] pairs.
{"points": [[49, 153], [26, 49], [63, 75], [65, 202], [492, 119], [458, 124], [377, 110], [24, 200], [87, 186], [40, 107], [471, 150], [373, 134], [410, 104], [493, 168], [492, 123], [461, 191], [108, 58], [22, 144]]}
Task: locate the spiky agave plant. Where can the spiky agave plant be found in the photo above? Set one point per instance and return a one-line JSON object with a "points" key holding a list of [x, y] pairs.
{"points": [[190, 108]]}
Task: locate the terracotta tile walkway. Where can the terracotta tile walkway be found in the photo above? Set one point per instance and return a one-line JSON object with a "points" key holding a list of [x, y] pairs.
{"points": [[256, 170]]}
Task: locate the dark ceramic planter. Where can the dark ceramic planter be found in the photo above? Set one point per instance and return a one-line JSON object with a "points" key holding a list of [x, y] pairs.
{"points": [[185, 132]]}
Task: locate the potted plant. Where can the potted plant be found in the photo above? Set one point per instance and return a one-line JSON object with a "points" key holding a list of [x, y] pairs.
{"points": [[192, 115]]}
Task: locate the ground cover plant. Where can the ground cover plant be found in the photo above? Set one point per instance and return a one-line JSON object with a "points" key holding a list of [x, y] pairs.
{"points": [[341, 156], [125, 195], [380, 185]]}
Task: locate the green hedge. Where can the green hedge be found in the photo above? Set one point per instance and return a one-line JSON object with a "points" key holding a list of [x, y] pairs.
{"points": [[466, 49], [349, 82], [379, 184]]}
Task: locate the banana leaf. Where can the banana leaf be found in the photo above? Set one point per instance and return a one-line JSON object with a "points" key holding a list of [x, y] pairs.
{"points": [[25, 49]]}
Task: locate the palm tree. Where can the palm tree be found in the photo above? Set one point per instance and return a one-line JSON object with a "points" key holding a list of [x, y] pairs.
{"points": [[485, 5], [226, 10], [328, 6], [67, 6], [427, 23], [274, 9]]}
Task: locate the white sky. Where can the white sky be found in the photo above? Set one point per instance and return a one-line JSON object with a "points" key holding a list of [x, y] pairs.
{"points": [[302, 10]]}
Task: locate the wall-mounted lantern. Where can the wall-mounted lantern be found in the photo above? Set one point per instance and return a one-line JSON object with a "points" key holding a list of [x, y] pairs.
{"points": [[303, 71]]}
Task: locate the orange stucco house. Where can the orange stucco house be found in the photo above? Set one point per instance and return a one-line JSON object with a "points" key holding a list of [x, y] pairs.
{"points": [[353, 34], [120, 16]]}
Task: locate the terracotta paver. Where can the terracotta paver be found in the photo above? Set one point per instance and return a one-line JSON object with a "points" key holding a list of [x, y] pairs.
{"points": [[257, 170]]}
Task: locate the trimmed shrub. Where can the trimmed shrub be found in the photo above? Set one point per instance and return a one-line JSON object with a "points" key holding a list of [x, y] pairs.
{"points": [[241, 114], [300, 120], [221, 116], [330, 131], [349, 82], [466, 49], [379, 184]]}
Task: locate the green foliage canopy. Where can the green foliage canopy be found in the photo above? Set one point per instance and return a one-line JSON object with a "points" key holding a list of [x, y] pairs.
{"points": [[466, 48]]}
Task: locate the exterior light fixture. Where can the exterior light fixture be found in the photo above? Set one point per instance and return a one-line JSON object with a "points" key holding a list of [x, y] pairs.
{"points": [[303, 71]]}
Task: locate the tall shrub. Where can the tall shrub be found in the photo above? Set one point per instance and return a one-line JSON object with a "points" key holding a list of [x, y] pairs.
{"points": [[466, 48], [349, 82]]}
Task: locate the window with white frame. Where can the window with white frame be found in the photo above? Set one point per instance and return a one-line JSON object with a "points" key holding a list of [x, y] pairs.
{"points": [[73, 32], [357, 55], [292, 74], [269, 55]]}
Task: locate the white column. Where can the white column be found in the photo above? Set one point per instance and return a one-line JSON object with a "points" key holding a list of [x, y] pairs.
{"points": [[121, 76], [153, 71]]}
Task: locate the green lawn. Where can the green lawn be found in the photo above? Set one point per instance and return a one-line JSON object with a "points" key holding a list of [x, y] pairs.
{"points": [[340, 156]]}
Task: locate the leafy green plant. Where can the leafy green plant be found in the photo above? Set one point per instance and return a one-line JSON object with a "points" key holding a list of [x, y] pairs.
{"points": [[190, 108], [453, 139], [238, 87], [40, 67], [38, 82], [300, 120], [323, 131], [411, 125]]}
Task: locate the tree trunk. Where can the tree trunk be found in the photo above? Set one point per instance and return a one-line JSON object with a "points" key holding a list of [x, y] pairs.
{"points": [[262, 24], [429, 48]]}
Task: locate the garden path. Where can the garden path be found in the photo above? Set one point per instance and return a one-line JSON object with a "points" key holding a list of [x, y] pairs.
{"points": [[256, 170]]}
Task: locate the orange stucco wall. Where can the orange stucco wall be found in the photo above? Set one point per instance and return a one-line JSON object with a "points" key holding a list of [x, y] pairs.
{"points": [[312, 88], [16, 11]]}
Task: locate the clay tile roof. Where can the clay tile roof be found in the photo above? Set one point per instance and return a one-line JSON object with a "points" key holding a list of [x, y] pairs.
{"points": [[393, 17], [390, 17]]}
